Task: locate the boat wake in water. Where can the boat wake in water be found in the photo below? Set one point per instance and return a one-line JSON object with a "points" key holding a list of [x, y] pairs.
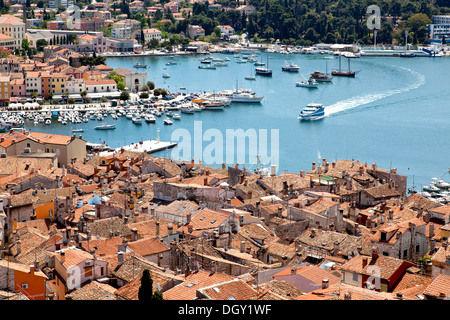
{"points": [[369, 98]]}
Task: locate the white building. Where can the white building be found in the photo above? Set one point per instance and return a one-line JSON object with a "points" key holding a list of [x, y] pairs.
{"points": [[98, 86], [151, 33], [121, 32], [75, 85], [133, 80], [13, 27]]}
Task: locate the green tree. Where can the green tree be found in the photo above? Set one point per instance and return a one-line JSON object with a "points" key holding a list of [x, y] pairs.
{"points": [[124, 95], [145, 292], [150, 85], [83, 95], [144, 95]]}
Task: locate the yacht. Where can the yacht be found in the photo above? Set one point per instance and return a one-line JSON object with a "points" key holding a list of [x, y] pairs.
{"points": [[312, 111], [290, 67], [105, 127], [187, 109], [241, 95]]}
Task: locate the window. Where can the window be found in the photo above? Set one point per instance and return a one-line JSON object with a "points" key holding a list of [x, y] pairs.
{"points": [[355, 277], [417, 248], [28, 145], [385, 253], [405, 253]]}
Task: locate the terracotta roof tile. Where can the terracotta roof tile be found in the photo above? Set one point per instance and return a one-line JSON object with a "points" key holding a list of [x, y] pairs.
{"points": [[235, 289], [148, 246], [196, 280], [440, 287]]}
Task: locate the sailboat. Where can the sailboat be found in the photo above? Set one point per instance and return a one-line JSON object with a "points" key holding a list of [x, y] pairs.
{"points": [[341, 72], [264, 71], [250, 77], [321, 77]]}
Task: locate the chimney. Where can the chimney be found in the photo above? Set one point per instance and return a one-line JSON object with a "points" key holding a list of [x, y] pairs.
{"points": [[134, 234], [224, 166], [374, 253], [119, 258], [302, 173], [313, 233], [152, 211], [157, 228], [63, 257], [347, 296], [324, 283], [361, 169], [169, 229], [391, 214], [242, 246], [313, 166], [400, 295], [364, 262], [32, 269], [280, 210], [293, 271], [205, 181], [374, 166], [19, 246]]}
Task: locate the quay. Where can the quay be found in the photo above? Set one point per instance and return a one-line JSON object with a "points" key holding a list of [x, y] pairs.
{"points": [[148, 146]]}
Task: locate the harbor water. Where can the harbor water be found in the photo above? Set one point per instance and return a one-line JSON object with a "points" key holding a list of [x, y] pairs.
{"points": [[395, 112]]}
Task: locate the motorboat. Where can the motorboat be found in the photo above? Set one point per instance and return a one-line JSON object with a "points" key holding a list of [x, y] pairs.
{"points": [[166, 75], [313, 111], [48, 121], [310, 83], [138, 65], [291, 68], [176, 116], [221, 64], [207, 67], [187, 109], [105, 127], [149, 118], [431, 188], [77, 130], [250, 77], [167, 121], [137, 120]]}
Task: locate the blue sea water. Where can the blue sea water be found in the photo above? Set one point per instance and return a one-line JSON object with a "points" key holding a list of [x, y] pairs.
{"points": [[395, 112]]}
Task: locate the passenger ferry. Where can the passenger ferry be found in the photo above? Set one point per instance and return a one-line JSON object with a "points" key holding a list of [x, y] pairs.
{"points": [[313, 111]]}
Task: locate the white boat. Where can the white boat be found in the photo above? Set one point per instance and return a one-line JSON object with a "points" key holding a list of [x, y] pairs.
{"points": [[149, 118], [48, 121], [187, 109], [166, 75], [167, 121], [212, 67], [138, 65], [290, 67], [137, 120], [431, 188], [250, 77], [105, 127], [313, 111], [221, 64], [77, 130], [176, 116], [310, 83], [241, 96]]}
